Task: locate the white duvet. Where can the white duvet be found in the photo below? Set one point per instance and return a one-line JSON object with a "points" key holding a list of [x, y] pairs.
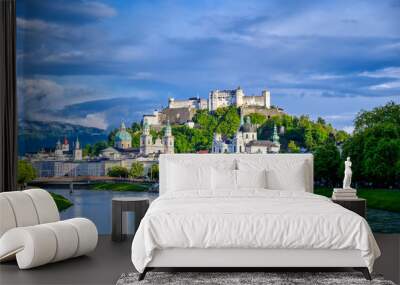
{"points": [[250, 219]]}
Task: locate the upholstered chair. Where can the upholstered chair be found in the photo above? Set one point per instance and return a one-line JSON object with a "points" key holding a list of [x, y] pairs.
{"points": [[31, 231]]}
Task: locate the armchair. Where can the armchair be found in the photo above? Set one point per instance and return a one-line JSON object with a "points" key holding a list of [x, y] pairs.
{"points": [[31, 231]]}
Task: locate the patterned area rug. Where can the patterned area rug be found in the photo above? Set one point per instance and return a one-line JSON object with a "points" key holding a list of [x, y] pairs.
{"points": [[228, 278]]}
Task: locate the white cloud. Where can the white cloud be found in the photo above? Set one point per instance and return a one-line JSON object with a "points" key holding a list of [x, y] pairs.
{"points": [[141, 75], [96, 120], [325, 76], [40, 28], [389, 72], [340, 117], [90, 8], [66, 57], [37, 25], [386, 85], [348, 129]]}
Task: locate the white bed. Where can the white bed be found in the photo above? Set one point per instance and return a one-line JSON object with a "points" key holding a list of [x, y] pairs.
{"points": [[219, 210]]}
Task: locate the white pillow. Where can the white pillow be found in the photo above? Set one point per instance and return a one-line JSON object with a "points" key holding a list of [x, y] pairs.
{"points": [[224, 179], [251, 178], [183, 177], [291, 177]]}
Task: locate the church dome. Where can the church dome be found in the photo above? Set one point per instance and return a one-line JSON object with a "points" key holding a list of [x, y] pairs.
{"points": [[122, 134]]}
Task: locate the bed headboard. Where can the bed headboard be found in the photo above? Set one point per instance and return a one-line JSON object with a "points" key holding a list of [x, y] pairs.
{"points": [[229, 159]]}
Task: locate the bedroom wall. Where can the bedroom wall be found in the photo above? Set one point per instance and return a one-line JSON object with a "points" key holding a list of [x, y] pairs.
{"points": [[84, 67]]}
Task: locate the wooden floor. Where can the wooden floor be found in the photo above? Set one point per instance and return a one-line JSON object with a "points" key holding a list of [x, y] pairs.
{"points": [[110, 260], [103, 266]]}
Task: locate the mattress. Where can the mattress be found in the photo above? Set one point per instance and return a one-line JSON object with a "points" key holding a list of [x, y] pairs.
{"points": [[250, 219]]}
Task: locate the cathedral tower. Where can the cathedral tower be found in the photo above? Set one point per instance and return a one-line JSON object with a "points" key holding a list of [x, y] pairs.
{"points": [[77, 153], [146, 140], [168, 140], [239, 94], [267, 98]]}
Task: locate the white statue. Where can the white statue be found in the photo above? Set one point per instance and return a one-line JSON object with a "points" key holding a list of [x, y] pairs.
{"points": [[347, 174]]}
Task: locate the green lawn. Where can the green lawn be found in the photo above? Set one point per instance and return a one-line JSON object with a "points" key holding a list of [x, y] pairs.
{"points": [[61, 202], [137, 187], [384, 199]]}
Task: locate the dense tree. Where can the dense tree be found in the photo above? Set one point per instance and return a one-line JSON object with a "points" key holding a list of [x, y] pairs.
{"points": [[98, 147], [154, 172], [228, 121], [94, 150], [87, 150], [137, 170], [387, 114], [257, 119], [375, 146], [136, 139], [26, 172], [326, 164], [341, 136], [293, 148], [118, 171], [136, 127], [205, 120], [184, 139], [111, 137], [304, 132]]}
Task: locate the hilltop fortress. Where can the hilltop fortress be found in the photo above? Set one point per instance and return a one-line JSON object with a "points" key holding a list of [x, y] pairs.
{"points": [[182, 111]]}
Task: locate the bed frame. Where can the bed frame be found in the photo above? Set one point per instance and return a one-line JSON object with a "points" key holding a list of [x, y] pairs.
{"points": [[260, 259], [249, 259]]}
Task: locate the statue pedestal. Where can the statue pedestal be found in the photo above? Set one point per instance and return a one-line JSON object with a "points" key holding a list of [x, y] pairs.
{"points": [[344, 194]]}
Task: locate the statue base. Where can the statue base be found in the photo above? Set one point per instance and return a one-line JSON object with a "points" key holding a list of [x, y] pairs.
{"points": [[344, 194]]}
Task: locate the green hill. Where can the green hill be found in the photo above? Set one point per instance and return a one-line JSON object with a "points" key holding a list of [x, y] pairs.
{"points": [[34, 135]]}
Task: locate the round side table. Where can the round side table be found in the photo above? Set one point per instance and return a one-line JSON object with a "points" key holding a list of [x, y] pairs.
{"points": [[127, 204]]}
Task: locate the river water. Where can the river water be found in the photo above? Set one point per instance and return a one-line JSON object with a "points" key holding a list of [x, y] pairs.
{"points": [[96, 206]]}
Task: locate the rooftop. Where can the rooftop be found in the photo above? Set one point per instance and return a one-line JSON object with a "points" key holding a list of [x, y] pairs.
{"points": [[266, 143]]}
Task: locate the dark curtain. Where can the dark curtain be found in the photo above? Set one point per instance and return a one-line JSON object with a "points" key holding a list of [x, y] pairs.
{"points": [[8, 98]]}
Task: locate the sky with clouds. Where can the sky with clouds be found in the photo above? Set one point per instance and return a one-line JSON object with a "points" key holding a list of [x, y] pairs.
{"points": [[95, 63]]}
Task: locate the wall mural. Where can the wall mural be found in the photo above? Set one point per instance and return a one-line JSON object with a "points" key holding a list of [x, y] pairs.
{"points": [[105, 86]]}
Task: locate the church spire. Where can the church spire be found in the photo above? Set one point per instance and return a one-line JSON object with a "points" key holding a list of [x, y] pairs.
{"points": [[275, 137], [122, 127], [146, 128], [168, 131], [241, 118], [77, 144]]}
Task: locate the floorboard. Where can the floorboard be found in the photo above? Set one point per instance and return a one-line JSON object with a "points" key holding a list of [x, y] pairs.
{"points": [[111, 259]]}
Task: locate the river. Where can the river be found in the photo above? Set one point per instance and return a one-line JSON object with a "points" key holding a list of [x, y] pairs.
{"points": [[96, 206]]}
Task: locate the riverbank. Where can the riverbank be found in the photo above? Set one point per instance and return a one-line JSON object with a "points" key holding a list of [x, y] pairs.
{"points": [[135, 187], [61, 202], [381, 199]]}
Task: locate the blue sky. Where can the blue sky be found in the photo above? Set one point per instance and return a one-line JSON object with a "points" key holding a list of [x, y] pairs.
{"points": [[96, 63]]}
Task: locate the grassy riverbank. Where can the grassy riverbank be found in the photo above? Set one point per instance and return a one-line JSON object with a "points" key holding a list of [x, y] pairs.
{"points": [[383, 199], [136, 187], [61, 202]]}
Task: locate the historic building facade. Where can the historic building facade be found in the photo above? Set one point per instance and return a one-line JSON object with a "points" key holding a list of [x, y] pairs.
{"points": [[164, 145], [182, 111], [236, 97], [245, 141], [194, 102], [123, 139]]}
